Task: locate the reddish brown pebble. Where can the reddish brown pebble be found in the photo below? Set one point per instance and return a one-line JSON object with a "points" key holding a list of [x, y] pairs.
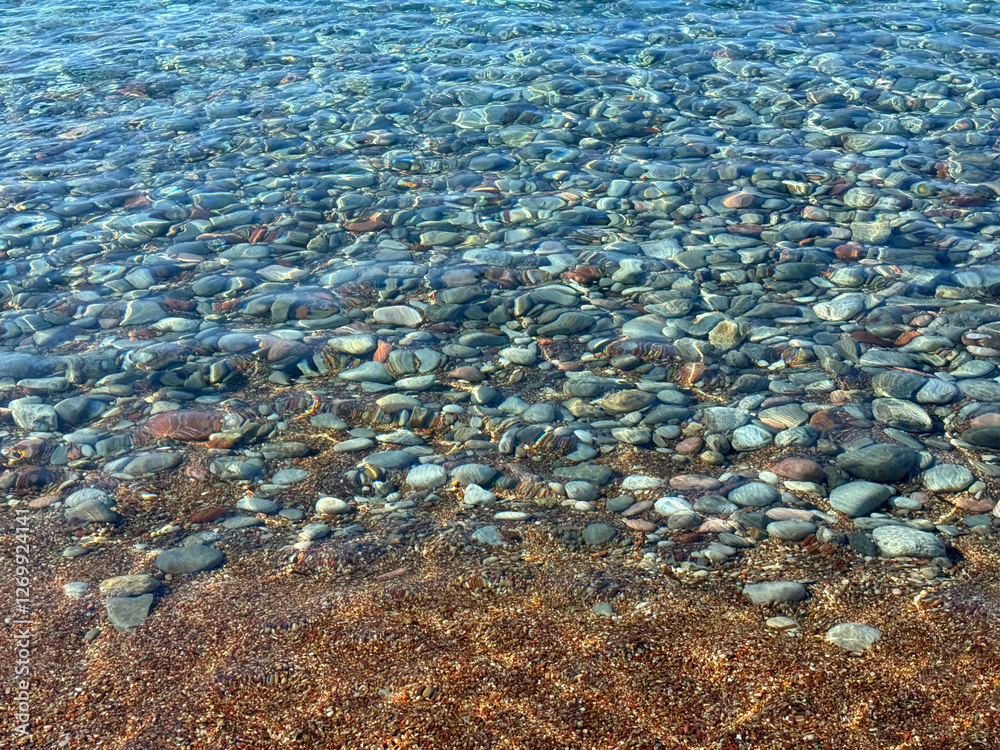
{"points": [[799, 470], [688, 538], [207, 515], [43, 501], [741, 199], [849, 251], [639, 524], [689, 446], [694, 483], [972, 504], [382, 351]]}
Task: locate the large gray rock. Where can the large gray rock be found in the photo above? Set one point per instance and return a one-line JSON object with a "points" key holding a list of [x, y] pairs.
{"points": [[480, 474], [38, 417], [903, 415], [754, 495], [193, 559], [427, 476], [902, 541], [879, 462], [859, 498], [17, 366], [948, 478]]}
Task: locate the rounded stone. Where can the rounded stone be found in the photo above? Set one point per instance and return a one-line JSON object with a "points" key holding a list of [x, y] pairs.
{"points": [[480, 474], [397, 315], [754, 495], [948, 478], [774, 592], [750, 437], [853, 636], [667, 506], [859, 498], [427, 476], [902, 415], [313, 531], [599, 533], [332, 506], [476, 495], [902, 541], [879, 462], [192, 559], [791, 531]]}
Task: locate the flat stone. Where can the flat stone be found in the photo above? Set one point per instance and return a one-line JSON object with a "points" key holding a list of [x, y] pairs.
{"points": [[799, 469], [290, 476], [599, 533], [398, 315], [480, 474], [257, 505], [754, 495], [594, 473], [724, 418], [791, 530], [391, 460], [750, 437], [129, 585], [902, 541], [476, 495], [75, 589], [36, 417], [853, 636], [313, 531], [948, 478], [667, 506], [368, 372], [92, 511], [881, 462], [840, 308], [859, 498], [88, 493], [624, 402], [128, 613], [355, 444], [903, 415], [511, 515], [193, 559], [774, 592], [781, 623], [427, 476], [694, 483], [332, 506], [487, 535], [641, 483]]}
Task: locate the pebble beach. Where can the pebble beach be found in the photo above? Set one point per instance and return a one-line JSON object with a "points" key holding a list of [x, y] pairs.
{"points": [[501, 374]]}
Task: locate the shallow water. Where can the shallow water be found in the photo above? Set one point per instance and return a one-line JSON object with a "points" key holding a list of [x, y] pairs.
{"points": [[786, 187]]}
